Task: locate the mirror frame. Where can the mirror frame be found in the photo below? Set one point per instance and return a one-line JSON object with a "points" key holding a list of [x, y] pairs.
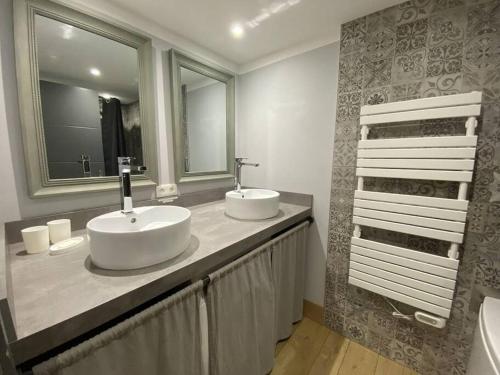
{"points": [[180, 60], [39, 181]]}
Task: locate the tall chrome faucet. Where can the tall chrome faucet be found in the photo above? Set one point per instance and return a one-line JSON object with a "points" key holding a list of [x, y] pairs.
{"points": [[237, 171], [124, 169]]}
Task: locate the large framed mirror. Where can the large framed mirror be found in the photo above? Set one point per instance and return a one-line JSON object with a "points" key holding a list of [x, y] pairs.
{"points": [[203, 119], [86, 98]]}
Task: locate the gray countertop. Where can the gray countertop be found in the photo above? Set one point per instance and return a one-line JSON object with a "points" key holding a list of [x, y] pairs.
{"points": [[58, 298]]}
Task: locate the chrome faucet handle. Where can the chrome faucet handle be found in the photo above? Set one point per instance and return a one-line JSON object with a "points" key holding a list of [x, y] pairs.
{"points": [[127, 161], [124, 159]]}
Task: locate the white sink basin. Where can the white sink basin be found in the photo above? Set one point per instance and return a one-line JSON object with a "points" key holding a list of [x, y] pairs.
{"points": [[147, 236], [252, 204]]}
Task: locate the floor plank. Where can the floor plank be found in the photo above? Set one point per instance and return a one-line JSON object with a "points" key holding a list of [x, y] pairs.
{"points": [[281, 344], [300, 351], [314, 350], [358, 360], [331, 355], [409, 371], [387, 367]]}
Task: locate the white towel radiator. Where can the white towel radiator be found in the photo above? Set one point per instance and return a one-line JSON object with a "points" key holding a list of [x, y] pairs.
{"points": [[419, 279]]}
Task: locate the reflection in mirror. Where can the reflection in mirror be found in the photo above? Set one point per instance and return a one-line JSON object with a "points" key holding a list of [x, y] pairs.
{"points": [[203, 122], [90, 100]]}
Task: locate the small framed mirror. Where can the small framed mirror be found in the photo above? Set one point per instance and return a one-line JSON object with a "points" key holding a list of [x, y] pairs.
{"points": [[85, 97], [203, 119]]}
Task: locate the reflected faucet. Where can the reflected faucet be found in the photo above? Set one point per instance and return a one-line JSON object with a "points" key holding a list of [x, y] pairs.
{"points": [[125, 168], [237, 172]]}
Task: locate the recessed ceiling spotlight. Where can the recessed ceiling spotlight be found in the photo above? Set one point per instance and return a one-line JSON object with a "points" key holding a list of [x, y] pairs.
{"points": [[67, 31], [237, 30], [95, 72]]}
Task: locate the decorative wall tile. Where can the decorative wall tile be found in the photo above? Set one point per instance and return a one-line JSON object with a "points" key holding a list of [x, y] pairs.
{"points": [[384, 20], [409, 334], [356, 312], [380, 44], [341, 221], [448, 84], [355, 331], [372, 340], [488, 269], [433, 47], [377, 73], [483, 52], [406, 354], [411, 36], [336, 321], [406, 91], [494, 188], [447, 27], [351, 72], [483, 19], [461, 303], [347, 130], [413, 10], [343, 177], [340, 242], [440, 5], [353, 36], [485, 154], [483, 178], [378, 95], [476, 216], [485, 80], [444, 59], [348, 106], [385, 346], [382, 322], [409, 66], [347, 153], [342, 198]]}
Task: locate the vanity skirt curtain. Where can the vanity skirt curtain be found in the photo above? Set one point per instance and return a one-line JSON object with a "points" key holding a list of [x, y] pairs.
{"points": [[288, 253], [165, 338], [240, 302]]}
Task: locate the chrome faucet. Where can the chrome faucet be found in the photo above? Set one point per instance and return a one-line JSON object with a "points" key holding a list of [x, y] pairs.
{"points": [[124, 169], [237, 172]]}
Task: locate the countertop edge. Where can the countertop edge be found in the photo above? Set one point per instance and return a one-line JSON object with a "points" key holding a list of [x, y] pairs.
{"points": [[30, 347]]}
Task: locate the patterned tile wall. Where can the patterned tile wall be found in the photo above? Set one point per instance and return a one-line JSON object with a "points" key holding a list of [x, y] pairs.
{"points": [[417, 49]]}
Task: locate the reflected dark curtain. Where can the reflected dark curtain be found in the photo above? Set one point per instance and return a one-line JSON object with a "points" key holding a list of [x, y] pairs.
{"points": [[113, 135]]}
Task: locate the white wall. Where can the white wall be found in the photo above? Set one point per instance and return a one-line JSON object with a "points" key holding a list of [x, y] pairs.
{"points": [[286, 120], [206, 118]]}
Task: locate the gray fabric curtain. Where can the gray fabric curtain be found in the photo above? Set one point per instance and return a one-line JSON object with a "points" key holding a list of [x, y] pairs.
{"points": [[240, 301], [113, 135], [166, 338], [288, 260]]}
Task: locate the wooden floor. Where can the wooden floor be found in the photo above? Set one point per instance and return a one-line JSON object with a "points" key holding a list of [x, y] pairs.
{"points": [[315, 350]]}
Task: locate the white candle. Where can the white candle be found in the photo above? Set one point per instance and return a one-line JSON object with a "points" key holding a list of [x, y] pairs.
{"points": [[59, 230], [36, 239]]}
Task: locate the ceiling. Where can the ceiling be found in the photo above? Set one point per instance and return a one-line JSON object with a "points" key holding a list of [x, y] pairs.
{"points": [[271, 26], [66, 54]]}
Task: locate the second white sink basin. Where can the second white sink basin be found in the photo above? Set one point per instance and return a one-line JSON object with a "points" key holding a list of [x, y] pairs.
{"points": [[252, 204], [147, 236]]}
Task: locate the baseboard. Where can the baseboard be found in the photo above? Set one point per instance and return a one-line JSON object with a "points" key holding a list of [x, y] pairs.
{"points": [[313, 311]]}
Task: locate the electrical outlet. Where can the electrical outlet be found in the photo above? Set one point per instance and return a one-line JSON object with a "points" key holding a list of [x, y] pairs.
{"points": [[166, 190]]}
